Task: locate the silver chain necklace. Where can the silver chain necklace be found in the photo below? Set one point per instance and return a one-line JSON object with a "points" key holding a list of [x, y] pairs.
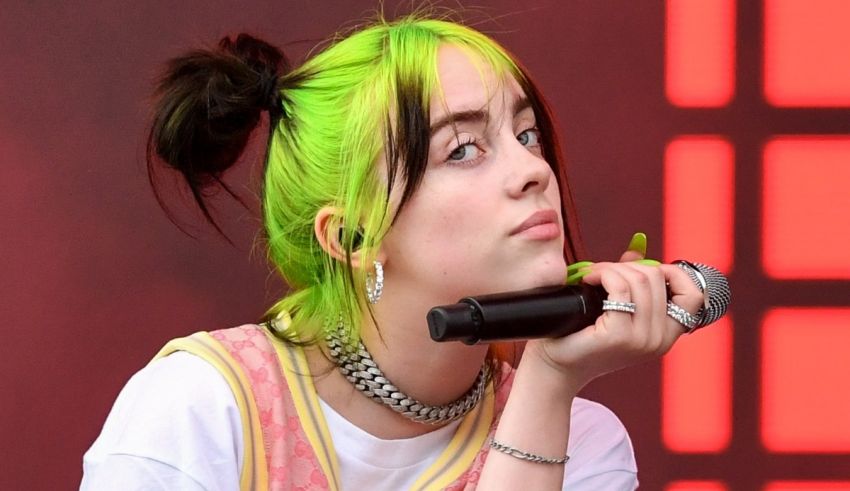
{"points": [[357, 366]]}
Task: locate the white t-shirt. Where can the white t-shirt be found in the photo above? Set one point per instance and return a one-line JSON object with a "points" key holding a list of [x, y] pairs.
{"points": [[176, 426]]}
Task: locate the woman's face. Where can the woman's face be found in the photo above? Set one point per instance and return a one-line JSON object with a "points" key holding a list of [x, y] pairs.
{"points": [[486, 217]]}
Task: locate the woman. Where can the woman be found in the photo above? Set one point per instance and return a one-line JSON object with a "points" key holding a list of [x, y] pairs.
{"points": [[409, 165]]}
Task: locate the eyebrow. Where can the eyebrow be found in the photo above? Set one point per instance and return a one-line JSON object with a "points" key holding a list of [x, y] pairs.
{"points": [[476, 115]]}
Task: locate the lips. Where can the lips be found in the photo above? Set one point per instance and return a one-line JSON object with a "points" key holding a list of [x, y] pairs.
{"points": [[540, 220]]}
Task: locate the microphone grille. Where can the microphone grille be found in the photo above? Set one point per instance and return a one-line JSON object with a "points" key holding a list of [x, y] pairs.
{"points": [[714, 286]]}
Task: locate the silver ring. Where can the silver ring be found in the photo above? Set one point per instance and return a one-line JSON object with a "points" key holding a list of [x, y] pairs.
{"points": [[610, 305], [682, 316]]}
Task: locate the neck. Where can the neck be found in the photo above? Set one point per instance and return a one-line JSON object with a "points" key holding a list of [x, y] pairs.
{"points": [[433, 373], [430, 372]]}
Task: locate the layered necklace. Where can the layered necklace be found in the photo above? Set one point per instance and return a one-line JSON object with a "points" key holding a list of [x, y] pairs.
{"points": [[357, 365]]}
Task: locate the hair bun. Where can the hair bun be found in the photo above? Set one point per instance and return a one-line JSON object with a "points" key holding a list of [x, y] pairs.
{"points": [[209, 101], [267, 61]]}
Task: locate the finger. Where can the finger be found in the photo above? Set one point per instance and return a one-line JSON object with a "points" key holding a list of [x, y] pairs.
{"points": [[683, 291], [649, 292], [630, 256], [636, 249], [592, 275], [652, 282], [617, 288]]}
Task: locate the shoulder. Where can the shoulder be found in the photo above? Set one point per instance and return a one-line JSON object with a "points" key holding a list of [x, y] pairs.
{"points": [[592, 423], [178, 414], [599, 447], [175, 387]]}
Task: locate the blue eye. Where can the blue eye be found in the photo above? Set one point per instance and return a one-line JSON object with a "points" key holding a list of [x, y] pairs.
{"points": [[529, 137], [465, 152]]}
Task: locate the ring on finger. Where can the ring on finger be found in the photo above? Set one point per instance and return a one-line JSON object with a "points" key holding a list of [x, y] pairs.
{"points": [[682, 316], [610, 305]]}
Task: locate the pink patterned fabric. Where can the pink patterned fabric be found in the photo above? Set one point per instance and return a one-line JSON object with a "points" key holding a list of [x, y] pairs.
{"points": [[292, 461], [469, 479]]}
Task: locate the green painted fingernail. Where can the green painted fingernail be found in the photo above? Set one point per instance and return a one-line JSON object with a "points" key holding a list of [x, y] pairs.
{"points": [[649, 262], [578, 265], [638, 243], [575, 278]]}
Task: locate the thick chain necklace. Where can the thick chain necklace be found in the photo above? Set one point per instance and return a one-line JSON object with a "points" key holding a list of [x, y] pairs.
{"points": [[357, 366]]}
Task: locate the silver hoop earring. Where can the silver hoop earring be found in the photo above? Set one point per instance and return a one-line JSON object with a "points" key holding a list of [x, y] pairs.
{"points": [[375, 286]]}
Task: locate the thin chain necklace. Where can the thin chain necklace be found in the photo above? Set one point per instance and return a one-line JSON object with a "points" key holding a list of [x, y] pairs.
{"points": [[357, 365]]}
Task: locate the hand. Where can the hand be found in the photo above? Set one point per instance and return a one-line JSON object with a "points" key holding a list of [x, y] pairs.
{"points": [[618, 339]]}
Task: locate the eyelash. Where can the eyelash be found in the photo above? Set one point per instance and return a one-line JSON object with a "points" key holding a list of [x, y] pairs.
{"points": [[536, 132], [473, 141], [467, 141]]}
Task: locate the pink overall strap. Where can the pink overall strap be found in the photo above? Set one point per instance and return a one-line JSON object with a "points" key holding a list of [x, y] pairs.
{"points": [[469, 479], [292, 462]]}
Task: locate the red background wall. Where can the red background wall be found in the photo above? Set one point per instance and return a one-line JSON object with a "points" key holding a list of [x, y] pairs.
{"points": [[95, 278]]}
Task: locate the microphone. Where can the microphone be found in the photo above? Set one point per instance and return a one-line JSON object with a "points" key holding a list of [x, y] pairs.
{"points": [[554, 311]]}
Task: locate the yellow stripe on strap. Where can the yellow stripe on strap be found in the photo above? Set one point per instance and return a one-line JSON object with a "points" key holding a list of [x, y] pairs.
{"points": [[306, 402], [463, 448], [254, 473]]}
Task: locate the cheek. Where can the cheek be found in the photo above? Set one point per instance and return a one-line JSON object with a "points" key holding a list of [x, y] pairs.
{"points": [[453, 222], [553, 195], [442, 231]]}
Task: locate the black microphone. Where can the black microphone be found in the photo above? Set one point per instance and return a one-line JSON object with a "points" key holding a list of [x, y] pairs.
{"points": [[552, 312]]}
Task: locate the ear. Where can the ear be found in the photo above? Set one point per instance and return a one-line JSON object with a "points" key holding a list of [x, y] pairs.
{"points": [[328, 227]]}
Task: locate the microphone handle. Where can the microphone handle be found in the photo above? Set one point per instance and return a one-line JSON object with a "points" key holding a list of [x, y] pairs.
{"points": [[537, 313]]}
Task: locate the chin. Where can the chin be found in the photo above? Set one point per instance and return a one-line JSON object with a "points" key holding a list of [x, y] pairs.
{"points": [[517, 276], [525, 280], [549, 275], [547, 280]]}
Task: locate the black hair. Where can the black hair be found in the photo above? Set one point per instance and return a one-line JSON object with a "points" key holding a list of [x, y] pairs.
{"points": [[208, 104]]}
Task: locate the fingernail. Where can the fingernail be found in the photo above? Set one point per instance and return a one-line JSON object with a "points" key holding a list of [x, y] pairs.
{"points": [[638, 243], [575, 278], [649, 262], [578, 265]]}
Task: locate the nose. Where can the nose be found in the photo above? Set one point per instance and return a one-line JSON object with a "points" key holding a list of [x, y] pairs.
{"points": [[529, 173]]}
